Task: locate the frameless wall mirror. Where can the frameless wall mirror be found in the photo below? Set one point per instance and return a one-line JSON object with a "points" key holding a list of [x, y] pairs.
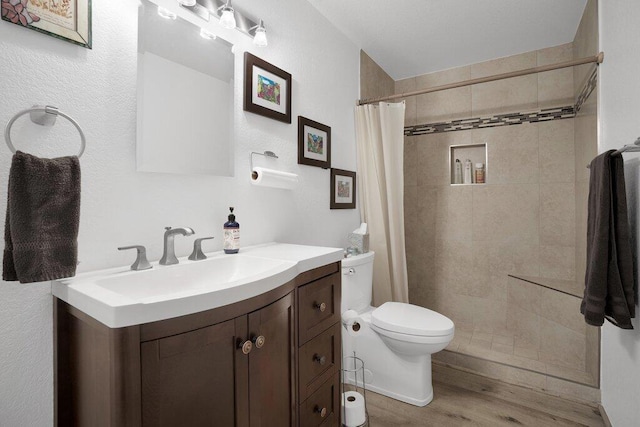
{"points": [[185, 97]]}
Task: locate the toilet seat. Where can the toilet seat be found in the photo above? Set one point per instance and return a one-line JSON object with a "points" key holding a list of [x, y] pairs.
{"points": [[396, 319]]}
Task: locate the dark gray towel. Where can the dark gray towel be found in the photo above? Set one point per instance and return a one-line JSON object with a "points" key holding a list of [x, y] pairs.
{"points": [[43, 214], [609, 277]]}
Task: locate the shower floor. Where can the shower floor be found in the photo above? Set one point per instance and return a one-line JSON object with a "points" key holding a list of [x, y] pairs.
{"points": [[508, 349]]}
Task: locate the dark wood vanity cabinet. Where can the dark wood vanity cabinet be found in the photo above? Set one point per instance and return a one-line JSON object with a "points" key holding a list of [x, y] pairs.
{"points": [[240, 365]]}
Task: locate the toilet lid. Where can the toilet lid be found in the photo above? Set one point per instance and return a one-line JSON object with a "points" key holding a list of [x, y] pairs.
{"points": [[411, 319]]}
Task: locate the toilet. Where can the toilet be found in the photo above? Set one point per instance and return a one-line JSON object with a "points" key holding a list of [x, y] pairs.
{"points": [[395, 341]]}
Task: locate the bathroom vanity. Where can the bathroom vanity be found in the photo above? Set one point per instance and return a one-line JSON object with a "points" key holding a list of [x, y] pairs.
{"points": [[267, 352]]}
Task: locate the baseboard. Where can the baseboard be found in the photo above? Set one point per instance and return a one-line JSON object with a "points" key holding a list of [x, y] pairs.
{"points": [[605, 417]]}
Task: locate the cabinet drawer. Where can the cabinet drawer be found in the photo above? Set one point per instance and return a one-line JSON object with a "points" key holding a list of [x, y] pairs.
{"points": [[318, 360], [326, 400], [318, 306]]}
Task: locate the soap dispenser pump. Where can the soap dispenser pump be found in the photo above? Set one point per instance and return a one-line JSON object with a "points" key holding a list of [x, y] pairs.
{"points": [[231, 235]]}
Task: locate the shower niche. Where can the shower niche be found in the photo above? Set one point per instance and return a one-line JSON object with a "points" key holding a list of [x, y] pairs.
{"points": [[459, 154]]}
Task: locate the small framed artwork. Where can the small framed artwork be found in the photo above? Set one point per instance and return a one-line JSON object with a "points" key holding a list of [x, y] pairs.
{"points": [[267, 89], [314, 143], [68, 20], [343, 189]]}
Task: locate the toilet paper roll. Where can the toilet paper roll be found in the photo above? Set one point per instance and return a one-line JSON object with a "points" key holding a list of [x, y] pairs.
{"points": [[348, 317], [353, 409], [273, 178], [352, 322]]}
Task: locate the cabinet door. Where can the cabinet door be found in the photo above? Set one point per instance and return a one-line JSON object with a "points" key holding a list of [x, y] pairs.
{"points": [[188, 379], [271, 365]]}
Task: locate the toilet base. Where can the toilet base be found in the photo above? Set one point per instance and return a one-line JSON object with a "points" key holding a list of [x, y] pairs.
{"points": [[404, 378]]}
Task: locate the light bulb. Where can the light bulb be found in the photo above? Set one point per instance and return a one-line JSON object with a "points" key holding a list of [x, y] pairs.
{"points": [[187, 3], [227, 19], [260, 38], [166, 13], [206, 34]]}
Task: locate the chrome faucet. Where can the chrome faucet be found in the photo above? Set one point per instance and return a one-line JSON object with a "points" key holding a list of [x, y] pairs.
{"points": [[169, 253]]}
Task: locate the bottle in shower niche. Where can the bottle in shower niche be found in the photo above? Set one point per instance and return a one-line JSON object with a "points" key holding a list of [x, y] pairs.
{"points": [[231, 243], [479, 173], [468, 172], [457, 172]]}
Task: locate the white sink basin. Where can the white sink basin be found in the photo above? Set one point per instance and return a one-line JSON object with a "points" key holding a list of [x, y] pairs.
{"points": [[179, 280], [119, 297]]}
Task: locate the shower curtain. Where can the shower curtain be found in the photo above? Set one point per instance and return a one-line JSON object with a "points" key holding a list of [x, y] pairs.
{"points": [[380, 145]]}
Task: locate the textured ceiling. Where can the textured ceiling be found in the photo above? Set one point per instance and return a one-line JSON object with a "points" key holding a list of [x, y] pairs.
{"points": [[413, 37]]}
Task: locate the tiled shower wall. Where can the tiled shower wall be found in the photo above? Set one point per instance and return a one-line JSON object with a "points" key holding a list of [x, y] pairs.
{"points": [[463, 242]]}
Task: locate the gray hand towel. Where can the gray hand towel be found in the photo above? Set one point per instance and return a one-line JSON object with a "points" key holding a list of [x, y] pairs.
{"points": [[609, 277], [43, 213]]}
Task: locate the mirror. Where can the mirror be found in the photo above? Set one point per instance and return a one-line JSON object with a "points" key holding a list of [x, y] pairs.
{"points": [[185, 98]]}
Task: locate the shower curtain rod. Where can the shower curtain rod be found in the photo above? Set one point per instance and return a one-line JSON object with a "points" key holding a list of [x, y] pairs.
{"points": [[586, 60]]}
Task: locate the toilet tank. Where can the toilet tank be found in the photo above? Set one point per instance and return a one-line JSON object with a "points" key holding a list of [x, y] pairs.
{"points": [[357, 282]]}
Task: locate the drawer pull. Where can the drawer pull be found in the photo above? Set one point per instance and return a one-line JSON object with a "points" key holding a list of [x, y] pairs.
{"points": [[321, 411], [322, 307], [245, 346], [258, 341], [320, 359]]}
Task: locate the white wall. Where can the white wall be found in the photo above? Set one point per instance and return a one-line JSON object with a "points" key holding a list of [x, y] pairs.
{"points": [[619, 124], [120, 206]]}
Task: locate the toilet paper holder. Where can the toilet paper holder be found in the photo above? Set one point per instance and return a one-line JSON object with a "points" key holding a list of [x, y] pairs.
{"points": [[267, 153], [353, 406]]}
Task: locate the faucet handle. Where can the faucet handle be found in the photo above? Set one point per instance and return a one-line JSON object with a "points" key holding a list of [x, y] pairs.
{"points": [[141, 262], [197, 253]]}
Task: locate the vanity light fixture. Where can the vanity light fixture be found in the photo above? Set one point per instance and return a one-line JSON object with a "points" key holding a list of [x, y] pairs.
{"points": [[166, 13], [227, 15], [260, 35], [206, 34], [187, 3]]}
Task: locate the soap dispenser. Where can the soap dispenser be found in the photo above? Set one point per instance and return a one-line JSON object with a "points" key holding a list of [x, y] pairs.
{"points": [[231, 235]]}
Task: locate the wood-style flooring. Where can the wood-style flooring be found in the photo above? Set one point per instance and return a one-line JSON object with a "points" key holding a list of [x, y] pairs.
{"points": [[464, 399]]}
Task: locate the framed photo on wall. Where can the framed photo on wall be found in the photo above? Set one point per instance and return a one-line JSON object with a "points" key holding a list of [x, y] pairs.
{"points": [[267, 89], [314, 143], [343, 189], [68, 20]]}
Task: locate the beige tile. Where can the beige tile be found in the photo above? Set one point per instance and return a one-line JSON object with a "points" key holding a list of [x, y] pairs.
{"points": [[570, 374], [446, 357], [443, 105], [555, 88], [501, 348], [572, 391], [502, 339], [403, 86], [452, 272], [586, 137], [585, 42], [561, 346], [557, 214], [512, 153], [494, 218], [557, 153], [527, 352], [483, 336], [410, 161], [453, 213], [562, 309], [374, 81], [509, 95], [558, 262], [480, 344], [526, 378], [433, 156]]}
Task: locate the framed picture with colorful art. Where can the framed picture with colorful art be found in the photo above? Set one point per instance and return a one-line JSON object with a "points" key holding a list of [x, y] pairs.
{"points": [[343, 189], [68, 20], [267, 89], [314, 143]]}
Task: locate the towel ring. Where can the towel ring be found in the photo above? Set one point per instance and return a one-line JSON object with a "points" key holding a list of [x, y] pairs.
{"points": [[44, 119]]}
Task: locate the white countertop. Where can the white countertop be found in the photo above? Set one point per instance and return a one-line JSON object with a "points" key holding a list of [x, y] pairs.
{"points": [[119, 297]]}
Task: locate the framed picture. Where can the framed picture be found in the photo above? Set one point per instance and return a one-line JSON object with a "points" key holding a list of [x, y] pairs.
{"points": [[267, 89], [68, 20], [343, 189], [314, 143]]}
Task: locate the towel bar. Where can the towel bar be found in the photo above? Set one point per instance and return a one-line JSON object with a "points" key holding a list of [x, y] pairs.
{"points": [[629, 148], [44, 116]]}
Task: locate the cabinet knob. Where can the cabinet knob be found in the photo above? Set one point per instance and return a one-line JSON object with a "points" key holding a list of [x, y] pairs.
{"points": [[258, 341], [319, 359], [321, 411], [245, 346], [322, 307]]}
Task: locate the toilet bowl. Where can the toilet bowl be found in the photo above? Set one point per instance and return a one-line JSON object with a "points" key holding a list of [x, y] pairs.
{"points": [[395, 341]]}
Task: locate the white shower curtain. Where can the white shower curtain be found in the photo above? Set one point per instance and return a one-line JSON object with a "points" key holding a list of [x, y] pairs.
{"points": [[380, 141]]}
